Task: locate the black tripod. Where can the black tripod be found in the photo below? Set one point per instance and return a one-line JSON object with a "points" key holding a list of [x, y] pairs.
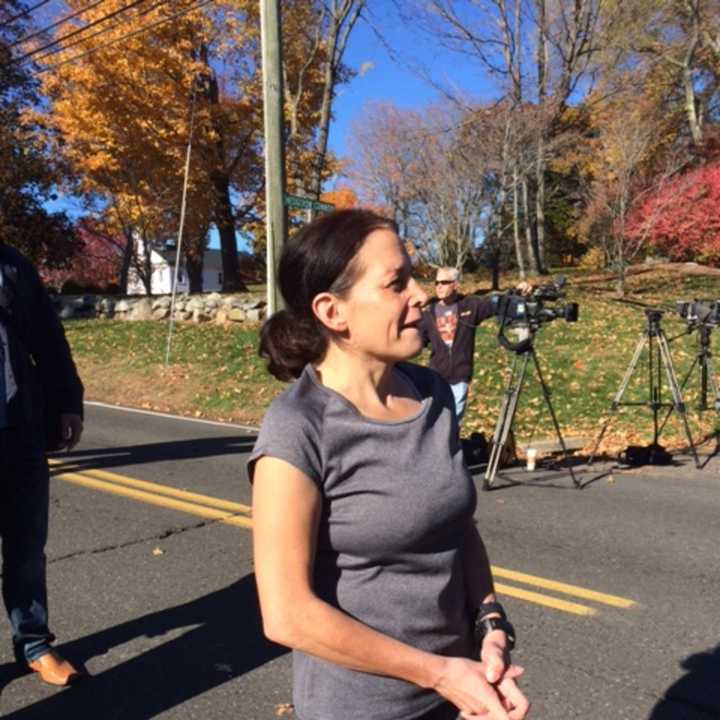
{"points": [[703, 361], [658, 360], [518, 372]]}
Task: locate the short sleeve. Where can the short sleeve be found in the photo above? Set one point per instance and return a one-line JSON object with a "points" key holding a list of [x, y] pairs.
{"points": [[289, 434]]}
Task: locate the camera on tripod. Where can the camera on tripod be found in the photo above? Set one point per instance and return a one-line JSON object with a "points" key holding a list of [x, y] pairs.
{"points": [[699, 312], [523, 315], [515, 310]]}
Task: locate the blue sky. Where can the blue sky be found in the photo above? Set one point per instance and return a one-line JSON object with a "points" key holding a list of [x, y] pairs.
{"points": [[394, 79], [381, 78]]}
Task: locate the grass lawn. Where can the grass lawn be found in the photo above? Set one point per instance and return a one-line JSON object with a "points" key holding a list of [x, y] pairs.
{"points": [[215, 371]]}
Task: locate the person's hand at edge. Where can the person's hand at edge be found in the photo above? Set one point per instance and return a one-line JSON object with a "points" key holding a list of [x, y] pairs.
{"points": [[71, 429], [514, 702], [495, 657], [464, 683], [525, 288]]}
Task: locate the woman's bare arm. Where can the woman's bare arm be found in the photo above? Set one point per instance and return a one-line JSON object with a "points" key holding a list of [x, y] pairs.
{"points": [[286, 512]]}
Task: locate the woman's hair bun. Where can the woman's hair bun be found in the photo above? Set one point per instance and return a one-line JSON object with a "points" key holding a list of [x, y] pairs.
{"points": [[288, 343], [317, 259]]}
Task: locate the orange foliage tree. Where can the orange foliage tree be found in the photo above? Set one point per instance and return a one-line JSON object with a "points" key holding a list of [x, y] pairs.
{"points": [[124, 115]]}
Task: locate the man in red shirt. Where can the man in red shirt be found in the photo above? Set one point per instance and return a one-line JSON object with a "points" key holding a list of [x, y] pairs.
{"points": [[449, 324]]}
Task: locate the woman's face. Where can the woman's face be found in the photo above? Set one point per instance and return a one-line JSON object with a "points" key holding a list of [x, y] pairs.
{"points": [[384, 306]]}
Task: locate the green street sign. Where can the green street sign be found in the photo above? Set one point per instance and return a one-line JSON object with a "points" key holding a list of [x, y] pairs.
{"points": [[304, 203]]}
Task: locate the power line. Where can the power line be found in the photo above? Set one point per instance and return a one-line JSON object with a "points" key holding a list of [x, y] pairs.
{"points": [[77, 31], [101, 31], [144, 28], [24, 13], [57, 23]]}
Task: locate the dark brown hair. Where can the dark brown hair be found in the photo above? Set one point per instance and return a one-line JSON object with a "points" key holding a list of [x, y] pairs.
{"points": [[319, 258]]}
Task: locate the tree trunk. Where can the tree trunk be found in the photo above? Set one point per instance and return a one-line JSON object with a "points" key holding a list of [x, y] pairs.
{"points": [[225, 222], [127, 257], [530, 237], [620, 276], [516, 225], [194, 269], [146, 273], [542, 63], [222, 206], [540, 205], [342, 21], [495, 269], [691, 107]]}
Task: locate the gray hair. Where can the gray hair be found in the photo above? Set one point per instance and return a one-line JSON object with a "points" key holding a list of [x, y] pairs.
{"points": [[452, 272]]}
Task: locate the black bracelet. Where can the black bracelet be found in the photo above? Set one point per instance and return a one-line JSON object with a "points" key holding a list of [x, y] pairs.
{"points": [[490, 608], [483, 627], [483, 624]]}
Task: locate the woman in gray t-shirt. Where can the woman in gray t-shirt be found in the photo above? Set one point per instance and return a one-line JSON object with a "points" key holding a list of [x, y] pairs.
{"points": [[367, 559]]}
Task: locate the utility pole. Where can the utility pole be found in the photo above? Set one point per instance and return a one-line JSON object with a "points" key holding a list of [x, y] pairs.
{"points": [[275, 211]]}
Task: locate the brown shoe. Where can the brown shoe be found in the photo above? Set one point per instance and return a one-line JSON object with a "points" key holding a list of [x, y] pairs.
{"points": [[54, 670]]}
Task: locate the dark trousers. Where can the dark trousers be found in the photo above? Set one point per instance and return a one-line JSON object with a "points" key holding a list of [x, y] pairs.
{"points": [[447, 711], [24, 497]]}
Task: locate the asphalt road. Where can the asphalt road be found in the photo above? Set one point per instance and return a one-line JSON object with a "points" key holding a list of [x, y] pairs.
{"points": [[613, 589]]}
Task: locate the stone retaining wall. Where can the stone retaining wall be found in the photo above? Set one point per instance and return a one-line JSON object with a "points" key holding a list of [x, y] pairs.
{"points": [[213, 307]]}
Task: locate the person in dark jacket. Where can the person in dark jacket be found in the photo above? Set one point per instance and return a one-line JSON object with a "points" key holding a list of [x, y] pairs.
{"points": [[41, 409], [449, 323]]}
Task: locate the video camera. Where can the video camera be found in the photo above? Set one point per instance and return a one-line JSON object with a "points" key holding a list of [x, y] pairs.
{"points": [[515, 310], [699, 312]]}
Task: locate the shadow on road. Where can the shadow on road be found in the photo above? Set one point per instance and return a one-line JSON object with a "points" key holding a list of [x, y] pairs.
{"points": [[195, 449], [219, 638], [696, 695]]}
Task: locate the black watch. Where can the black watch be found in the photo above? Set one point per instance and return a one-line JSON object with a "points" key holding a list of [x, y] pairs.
{"points": [[484, 624]]}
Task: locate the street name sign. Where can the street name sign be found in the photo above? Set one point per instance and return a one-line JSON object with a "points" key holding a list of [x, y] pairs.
{"points": [[305, 203]]}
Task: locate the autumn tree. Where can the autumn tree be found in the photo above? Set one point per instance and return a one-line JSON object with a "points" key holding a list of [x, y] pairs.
{"points": [[429, 172], [95, 264], [682, 217], [624, 167], [341, 198], [28, 172], [537, 53], [314, 42], [125, 112], [679, 37], [383, 160]]}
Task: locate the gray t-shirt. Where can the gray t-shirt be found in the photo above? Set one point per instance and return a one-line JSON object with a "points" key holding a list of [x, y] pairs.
{"points": [[397, 500]]}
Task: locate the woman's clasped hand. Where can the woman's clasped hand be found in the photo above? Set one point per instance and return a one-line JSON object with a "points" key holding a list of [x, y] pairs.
{"points": [[465, 684]]}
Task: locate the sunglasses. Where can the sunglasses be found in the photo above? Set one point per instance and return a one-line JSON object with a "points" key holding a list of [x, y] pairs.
{"points": [[444, 282]]}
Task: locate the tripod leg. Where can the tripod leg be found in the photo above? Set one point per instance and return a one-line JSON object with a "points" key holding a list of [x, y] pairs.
{"points": [[548, 402], [678, 401], [644, 339], [682, 387], [712, 380], [495, 449], [505, 419], [499, 427]]}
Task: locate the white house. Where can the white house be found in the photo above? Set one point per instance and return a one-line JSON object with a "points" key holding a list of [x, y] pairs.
{"points": [[163, 269]]}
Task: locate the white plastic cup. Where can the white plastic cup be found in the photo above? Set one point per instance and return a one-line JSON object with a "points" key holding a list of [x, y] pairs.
{"points": [[531, 458]]}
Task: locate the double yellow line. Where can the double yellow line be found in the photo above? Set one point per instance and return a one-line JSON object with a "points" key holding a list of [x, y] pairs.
{"points": [[561, 588], [224, 511], [232, 513]]}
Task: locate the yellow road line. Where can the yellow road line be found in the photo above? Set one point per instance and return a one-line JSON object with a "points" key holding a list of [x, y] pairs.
{"points": [[159, 489], [153, 499], [546, 600], [585, 594], [232, 513]]}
